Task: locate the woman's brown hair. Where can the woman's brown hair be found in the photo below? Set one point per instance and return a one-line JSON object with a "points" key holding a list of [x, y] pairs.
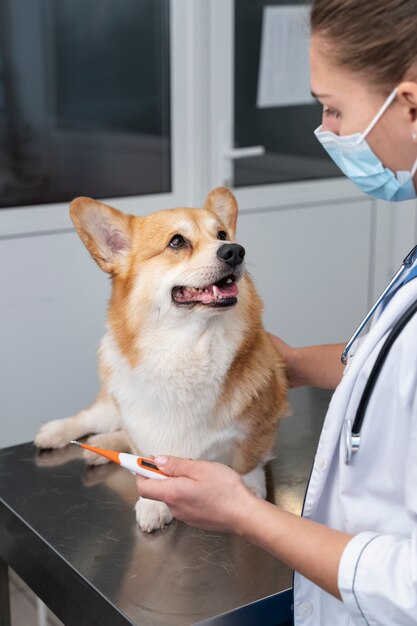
{"points": [[375, 37]]}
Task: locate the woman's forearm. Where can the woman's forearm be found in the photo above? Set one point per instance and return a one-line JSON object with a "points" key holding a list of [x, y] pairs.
{"points": [[310, 548], [213, 496], [317, 366]]}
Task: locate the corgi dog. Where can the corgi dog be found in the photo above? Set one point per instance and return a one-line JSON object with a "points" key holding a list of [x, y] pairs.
{"points": [[185, 364]]}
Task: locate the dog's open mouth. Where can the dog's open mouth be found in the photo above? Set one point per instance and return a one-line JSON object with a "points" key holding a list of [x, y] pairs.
{"points": [[220, 294]]}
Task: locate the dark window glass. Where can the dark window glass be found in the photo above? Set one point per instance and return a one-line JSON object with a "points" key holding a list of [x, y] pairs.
{"points": [[84, 99], [292, 151]]}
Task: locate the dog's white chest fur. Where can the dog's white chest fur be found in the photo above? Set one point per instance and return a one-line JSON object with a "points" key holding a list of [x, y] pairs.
{"points": [[168, 401]]}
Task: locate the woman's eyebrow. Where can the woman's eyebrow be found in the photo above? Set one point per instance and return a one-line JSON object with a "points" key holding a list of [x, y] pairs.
{"points": [[319, 95]]}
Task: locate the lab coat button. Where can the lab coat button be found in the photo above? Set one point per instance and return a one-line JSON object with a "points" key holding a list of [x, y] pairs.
{"points": [[321, 462], [303, 610]]}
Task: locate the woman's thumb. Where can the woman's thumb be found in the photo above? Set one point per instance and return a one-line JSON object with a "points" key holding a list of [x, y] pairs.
{"points": [[174, 465]]}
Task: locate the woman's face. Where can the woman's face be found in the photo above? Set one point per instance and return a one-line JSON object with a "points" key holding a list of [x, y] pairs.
{"points": [[350, 103]]}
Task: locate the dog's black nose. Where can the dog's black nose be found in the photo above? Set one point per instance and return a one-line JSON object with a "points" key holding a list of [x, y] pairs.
{"points": [[231, 253]]}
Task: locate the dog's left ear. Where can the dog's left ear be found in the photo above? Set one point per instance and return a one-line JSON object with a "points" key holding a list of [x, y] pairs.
{"points": [[222, 202], [104, 231]]}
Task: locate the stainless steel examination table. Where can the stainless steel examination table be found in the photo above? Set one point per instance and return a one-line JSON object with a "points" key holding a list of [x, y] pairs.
{"points": [[69, 532]]}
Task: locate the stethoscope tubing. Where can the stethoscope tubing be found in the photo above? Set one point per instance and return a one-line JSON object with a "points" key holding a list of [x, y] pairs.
{"points": [[406, 264], [354, 432]]}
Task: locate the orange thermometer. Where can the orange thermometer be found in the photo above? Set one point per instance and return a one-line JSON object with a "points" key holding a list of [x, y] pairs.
{"points": [[136, 464]]}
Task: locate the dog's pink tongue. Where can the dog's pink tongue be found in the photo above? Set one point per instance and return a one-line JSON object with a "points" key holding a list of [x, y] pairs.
{"points": [[227, 291], [205, 297]]}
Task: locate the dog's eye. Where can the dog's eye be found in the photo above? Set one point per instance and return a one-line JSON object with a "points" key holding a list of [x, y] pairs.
{"points": [[222, 234], [177, 241]]}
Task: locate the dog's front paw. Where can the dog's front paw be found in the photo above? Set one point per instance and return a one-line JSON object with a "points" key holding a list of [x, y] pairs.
{"points": [[55, 434], [152, 515]]}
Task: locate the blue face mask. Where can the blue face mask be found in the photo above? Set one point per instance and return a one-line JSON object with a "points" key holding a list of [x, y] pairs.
{"points": [[353, 155]]}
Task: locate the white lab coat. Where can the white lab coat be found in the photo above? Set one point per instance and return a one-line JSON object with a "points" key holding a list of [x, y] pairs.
{"points": [[375, 497]]}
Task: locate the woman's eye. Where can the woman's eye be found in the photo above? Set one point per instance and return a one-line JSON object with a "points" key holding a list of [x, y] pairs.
{"points": [[331, 113], [177, 241], [222, 234]]}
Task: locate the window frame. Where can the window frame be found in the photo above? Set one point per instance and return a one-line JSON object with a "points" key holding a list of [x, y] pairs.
{"points": [[185, 143]]}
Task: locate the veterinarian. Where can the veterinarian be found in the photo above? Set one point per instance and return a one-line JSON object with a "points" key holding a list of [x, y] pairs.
{"points": [[354, 550]]}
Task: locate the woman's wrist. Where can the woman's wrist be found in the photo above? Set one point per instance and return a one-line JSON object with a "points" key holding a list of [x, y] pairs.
{"points": [[247, 515]]}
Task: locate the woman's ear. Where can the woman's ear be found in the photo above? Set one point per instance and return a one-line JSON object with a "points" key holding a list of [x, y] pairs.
{"points": [[222, 202], [104, 231], [407, 96]]}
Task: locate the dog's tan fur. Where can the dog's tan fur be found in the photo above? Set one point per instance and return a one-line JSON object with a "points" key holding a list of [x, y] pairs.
{"points": [[245, 391]]}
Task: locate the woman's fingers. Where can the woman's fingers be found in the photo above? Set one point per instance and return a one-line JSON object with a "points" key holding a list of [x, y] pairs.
{"points": [[160, 489], [175, 466]]}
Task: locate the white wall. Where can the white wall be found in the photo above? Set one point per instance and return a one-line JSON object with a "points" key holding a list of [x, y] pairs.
{"points": [[52, 309], [312, 267]]}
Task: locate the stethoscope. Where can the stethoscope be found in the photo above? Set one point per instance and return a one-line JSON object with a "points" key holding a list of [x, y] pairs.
{"points": [[353, 430]]}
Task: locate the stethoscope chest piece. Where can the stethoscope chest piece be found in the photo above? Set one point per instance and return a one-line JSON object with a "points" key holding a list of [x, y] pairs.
{"points": [[352, 441]]}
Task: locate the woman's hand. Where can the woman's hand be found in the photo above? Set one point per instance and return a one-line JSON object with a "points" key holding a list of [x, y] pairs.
{"points": [[201, 493], [289, 356], [315, 366]]}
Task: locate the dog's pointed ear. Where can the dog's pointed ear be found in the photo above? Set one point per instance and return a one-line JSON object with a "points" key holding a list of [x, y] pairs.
{"points": [[222, 202], [105, 232]]}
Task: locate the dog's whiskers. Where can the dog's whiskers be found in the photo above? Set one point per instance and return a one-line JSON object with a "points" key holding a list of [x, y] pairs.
{"points": [[195, 273]]}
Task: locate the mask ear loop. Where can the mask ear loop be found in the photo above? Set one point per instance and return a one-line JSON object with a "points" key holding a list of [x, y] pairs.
{"points": [[378, 116], [414, 169]]}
